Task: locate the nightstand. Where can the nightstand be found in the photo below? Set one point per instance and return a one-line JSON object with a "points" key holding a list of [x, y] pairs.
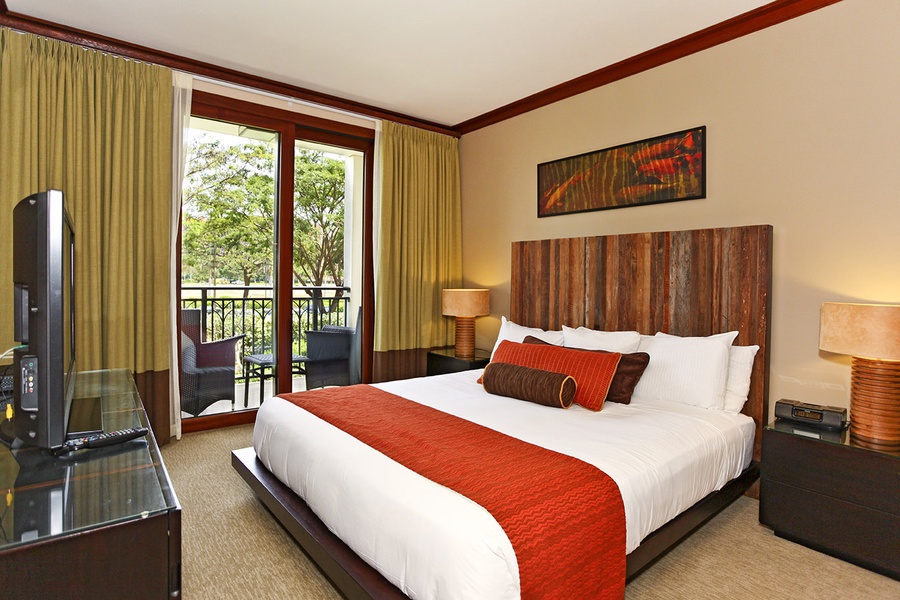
{"points": [[819, 489], [444, 360]]}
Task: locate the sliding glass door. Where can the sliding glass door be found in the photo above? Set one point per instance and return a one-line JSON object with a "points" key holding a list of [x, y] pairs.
{"points": [[326, 218], [228, 268], [276, 232]]}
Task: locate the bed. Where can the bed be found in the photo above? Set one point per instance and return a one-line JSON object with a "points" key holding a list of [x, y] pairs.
{"points": [[685, 283]]}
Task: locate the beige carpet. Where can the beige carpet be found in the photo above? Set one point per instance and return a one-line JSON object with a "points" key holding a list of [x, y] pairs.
{"points": [[233, 548]]}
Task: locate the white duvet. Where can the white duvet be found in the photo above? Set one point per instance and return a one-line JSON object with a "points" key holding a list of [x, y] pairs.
{"points": [[433, 543]]}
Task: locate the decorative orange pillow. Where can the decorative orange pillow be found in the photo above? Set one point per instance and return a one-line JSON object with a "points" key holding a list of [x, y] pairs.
{"points": [[628, 373], [593, 372]]}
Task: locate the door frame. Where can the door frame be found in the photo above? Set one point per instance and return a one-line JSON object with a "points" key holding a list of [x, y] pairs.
{"points": [[292, 126]]}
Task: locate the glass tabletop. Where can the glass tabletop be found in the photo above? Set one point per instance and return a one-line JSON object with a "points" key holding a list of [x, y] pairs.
{"points": [[46, 495], [840, 436], [451, 352]]}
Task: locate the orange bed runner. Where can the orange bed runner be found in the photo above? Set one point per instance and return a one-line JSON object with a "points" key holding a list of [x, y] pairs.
{"points": [[564, 517]]}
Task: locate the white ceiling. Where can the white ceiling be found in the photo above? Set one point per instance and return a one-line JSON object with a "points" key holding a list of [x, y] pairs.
{"points": [[444, 61]]}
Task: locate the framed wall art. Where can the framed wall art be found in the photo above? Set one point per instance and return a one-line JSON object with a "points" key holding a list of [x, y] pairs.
{"points": [[666, 168]]}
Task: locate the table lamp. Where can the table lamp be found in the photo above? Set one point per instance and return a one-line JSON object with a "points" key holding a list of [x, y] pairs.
{"points": [[870, 333], [465, 305]]}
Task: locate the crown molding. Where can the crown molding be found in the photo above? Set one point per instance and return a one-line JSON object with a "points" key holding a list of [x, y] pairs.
{"points": [[95, 41], [739, 26]]}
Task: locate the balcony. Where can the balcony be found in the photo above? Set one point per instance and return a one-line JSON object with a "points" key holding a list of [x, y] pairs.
{"points": [[228, 311]]}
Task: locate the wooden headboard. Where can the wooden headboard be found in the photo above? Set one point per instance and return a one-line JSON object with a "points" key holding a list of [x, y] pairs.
{"points": [[690, 283]]}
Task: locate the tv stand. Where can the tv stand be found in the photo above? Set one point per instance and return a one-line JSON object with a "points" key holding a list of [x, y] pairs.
{"points": [[102, 522]]}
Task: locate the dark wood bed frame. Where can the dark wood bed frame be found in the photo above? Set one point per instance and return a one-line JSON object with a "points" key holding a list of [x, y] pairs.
{"points": [[698, 282]]}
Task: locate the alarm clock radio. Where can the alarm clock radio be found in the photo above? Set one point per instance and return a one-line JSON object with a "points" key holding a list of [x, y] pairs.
{"points": [[814, 415]]}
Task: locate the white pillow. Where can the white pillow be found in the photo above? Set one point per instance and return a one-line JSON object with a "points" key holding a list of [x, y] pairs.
{"points": [[727, 337], [690, 371], [740, 367], [517, 333], [611, 341]]}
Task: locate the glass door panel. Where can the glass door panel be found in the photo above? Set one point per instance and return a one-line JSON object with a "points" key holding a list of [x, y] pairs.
{"points": [[326, 263], [228, 274]]}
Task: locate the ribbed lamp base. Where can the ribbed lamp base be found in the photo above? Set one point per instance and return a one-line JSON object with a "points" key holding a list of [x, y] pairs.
{"points": [[875, 404], [465, 337]]}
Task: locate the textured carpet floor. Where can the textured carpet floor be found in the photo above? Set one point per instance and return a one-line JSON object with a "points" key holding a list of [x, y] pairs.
{"points": [[233, 548]]}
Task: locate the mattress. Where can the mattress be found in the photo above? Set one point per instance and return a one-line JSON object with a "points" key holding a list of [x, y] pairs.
{"points": [[433, 543]]}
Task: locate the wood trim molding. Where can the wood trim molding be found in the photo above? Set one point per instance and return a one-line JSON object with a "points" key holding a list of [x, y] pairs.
{"points": [[300, 119], [153, 387], [218, 420], [739, 26], [195, 67]]}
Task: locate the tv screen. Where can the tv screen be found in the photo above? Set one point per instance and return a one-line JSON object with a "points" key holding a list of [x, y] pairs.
{"points": [[44, 323]]}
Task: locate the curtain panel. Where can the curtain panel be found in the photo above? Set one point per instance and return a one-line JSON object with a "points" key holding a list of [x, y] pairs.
{"points": [[419, 247], [99, 128], [182, 91]]}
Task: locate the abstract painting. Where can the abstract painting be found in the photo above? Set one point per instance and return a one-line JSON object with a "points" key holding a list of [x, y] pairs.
{"points": [[665, 168]]}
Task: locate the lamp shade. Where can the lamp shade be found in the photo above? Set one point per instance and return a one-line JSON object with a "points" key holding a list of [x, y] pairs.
{"points": [[466, 302], [870, 333], [465, 305], [864, 330]]}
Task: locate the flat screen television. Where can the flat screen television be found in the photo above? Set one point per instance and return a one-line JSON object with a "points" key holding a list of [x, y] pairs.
{"points": [[44, 319]]}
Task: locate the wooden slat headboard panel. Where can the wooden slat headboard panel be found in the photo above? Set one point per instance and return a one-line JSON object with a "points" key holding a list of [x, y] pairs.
{"points": [[697, 282]]}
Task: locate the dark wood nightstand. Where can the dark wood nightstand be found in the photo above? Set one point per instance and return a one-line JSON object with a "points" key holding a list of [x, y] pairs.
{"points": [[444, 360], [819, 489]]}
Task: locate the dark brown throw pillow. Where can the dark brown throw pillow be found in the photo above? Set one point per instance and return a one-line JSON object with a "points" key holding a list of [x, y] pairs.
{"points": [[556, 390], [631, 367]]}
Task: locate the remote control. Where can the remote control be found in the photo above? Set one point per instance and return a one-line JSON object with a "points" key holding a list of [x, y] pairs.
{"points": [[106, 439]]}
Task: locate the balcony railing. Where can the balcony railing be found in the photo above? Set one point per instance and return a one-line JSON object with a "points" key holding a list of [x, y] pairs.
{"points": [[232, 310]]}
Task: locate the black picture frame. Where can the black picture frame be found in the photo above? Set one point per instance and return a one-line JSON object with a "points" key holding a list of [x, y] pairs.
{"points": [[665, 168]]}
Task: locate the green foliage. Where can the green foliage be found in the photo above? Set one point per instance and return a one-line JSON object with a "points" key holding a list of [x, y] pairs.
{"points": [[229, 207], [318, 218]]}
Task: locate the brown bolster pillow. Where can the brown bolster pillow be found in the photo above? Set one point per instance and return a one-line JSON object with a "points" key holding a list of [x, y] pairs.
{"points": [[631, 367], [534, 385]]}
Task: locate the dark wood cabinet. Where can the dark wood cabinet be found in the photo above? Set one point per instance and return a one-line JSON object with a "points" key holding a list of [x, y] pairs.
{"points": [[819, 489], [97, 523], [444, 360]]}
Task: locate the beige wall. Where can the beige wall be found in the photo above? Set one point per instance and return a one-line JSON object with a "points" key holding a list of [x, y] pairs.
{"points": [[803, 132]]}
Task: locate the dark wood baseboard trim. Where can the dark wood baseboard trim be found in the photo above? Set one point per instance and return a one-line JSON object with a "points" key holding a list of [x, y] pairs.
{"points": [[229, 419], [399, 364], [153, 386]]}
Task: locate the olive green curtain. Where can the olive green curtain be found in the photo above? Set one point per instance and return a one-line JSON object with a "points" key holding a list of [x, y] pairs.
{"points": [[99, 128], [419, 247]]}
